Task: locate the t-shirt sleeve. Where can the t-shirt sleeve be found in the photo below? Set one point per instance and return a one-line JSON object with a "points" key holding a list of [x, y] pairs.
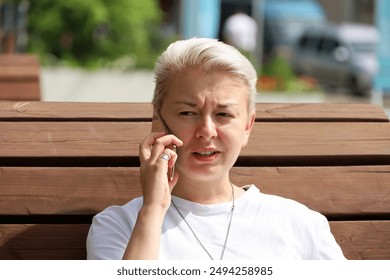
{"points": [[328, 249], [108, 235]]}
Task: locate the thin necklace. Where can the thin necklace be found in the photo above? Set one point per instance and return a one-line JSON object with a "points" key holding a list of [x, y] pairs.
{"points": [[227, 231]]}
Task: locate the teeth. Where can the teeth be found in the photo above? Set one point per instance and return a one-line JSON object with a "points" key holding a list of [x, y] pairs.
{"points": [[206, 153]]}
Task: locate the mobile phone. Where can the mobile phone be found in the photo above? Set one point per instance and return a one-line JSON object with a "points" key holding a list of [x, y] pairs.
{"points": [[159, 125]]}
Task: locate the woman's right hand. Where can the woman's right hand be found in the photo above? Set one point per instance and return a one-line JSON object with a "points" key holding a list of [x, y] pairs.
{"points": [[156, 186]]}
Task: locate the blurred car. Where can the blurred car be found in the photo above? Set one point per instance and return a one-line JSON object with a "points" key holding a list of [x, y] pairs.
{"points": [[338, 56], [284, 21]]}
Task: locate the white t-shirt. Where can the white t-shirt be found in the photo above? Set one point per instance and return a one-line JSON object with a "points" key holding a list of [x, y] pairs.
{"points": [[263, 227]]}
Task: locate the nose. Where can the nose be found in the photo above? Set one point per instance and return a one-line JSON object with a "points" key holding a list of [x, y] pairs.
{"points": [[206, 129]]}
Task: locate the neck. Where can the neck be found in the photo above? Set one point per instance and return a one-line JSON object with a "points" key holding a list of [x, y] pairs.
{"points": [[204, 192]]}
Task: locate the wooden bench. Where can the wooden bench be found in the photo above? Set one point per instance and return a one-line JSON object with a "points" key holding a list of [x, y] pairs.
{"points": [[19, 77], [61, 163]]}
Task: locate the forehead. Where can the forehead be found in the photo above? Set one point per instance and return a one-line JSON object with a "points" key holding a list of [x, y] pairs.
{"points": [[199, 84]]}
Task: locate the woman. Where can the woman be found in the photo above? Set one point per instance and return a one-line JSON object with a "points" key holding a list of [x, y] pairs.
{"points": [[204, 94]]}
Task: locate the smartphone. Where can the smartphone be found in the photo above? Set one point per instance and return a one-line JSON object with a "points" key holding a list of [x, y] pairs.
{"points": [[159, 125]]}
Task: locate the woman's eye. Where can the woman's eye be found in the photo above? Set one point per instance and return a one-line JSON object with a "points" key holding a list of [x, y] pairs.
{"points": [[225, 115], [186, 113]]}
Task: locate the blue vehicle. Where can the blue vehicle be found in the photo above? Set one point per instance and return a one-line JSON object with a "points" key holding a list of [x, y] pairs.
{"points": [[284, 22]]}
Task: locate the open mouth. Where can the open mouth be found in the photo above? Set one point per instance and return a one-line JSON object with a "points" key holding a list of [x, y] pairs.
{"points": [[205, 154]]}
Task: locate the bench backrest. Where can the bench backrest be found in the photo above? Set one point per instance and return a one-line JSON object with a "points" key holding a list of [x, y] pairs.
{"points": [[61, 163], [19, 77]]}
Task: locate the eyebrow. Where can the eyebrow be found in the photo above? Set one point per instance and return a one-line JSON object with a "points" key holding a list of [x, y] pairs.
{"points": [[188, 103], [226, 105], [220, 105]]}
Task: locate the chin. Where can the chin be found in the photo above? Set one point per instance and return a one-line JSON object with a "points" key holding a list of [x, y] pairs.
{"points": [[203, 174]]}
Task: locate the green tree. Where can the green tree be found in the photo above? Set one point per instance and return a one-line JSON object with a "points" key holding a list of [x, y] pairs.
{"points": [[95, 32]]}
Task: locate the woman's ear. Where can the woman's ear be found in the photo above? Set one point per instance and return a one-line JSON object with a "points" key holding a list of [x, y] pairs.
{"points": [[248, 128]]}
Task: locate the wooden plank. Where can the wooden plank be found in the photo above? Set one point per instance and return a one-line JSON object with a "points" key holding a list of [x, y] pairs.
{"points": [[15, 59], [54, 111], [265, 111], [19, 73], [19, 77], [71, 139], [281, 141], [359, 240], [318, 139], [26, 90], [60, 191], [359, 191], [333, 191], [43, 242], [363, 240], [319, 112]]}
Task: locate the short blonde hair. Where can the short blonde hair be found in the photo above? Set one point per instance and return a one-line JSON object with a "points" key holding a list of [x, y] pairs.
{"points": [[211, 55]]}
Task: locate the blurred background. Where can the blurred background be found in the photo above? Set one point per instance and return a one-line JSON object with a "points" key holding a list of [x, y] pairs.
{"points": [[303, 50]]}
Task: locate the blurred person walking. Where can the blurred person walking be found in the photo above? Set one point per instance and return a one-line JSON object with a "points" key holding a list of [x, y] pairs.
{"points": [[240, 31]]}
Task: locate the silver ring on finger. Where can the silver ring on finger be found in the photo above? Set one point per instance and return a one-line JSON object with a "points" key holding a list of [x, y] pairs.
{"points": [[165, 157]]}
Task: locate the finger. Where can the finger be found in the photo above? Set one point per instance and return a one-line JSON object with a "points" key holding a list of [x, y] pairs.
{"points": [[167, 161], [168, 158], [158, 148], [165, 157], [146, 145], [162, 143]]}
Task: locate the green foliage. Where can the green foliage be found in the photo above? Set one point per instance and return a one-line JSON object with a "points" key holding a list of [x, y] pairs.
{"points": [[278, 67], [96, 33], [277, 75]]}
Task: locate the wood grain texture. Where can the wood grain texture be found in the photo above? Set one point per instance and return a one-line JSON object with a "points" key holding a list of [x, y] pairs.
{"points": [[334, 191], [81, 111], [61, 163], [318, 139], [19, 77], [71, 139], [359, 240], [265, 112], [359, 191], [43, 242], [26, 90], [319, 112], [119, 139], [65, 191], [363, 240]]}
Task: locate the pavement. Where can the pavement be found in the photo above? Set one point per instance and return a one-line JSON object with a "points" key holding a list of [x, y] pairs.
{"points": [[76, 85]]}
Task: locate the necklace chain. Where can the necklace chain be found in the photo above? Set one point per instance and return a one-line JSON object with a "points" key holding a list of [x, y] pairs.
{"points": [[227, 231]]}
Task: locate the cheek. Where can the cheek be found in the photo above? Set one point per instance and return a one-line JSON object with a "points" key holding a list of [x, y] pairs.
{"points": [[185, 134], [232, 137]]}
